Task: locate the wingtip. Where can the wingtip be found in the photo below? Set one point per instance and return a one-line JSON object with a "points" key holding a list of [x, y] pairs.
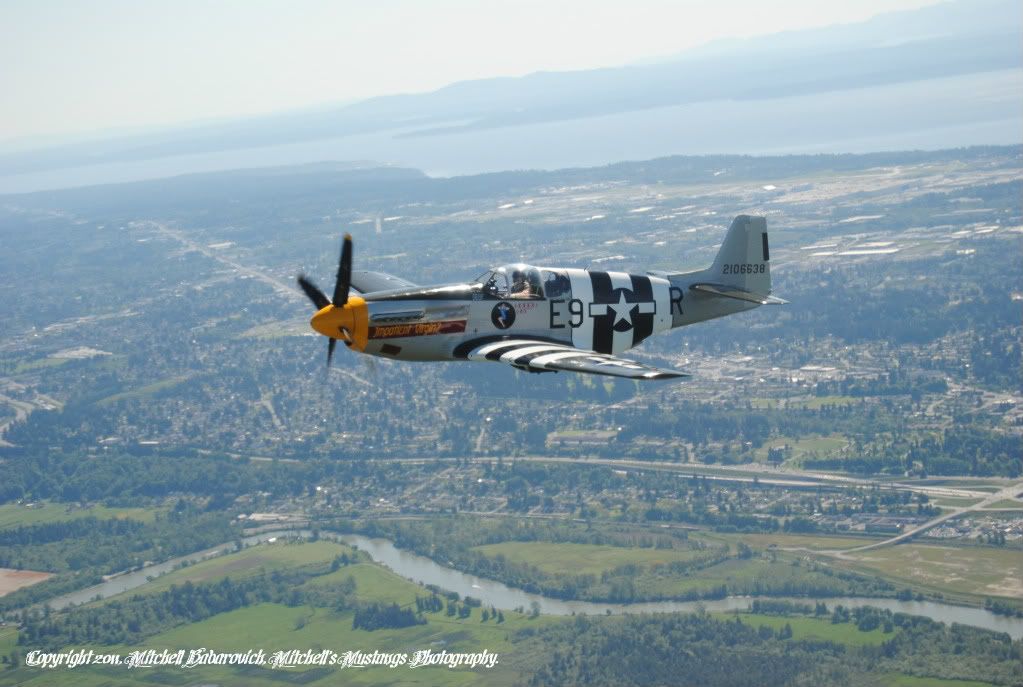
{"points": [[667, 374]]}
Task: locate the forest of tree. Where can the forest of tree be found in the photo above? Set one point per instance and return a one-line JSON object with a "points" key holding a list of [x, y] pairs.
{"points": [[696, 649]]}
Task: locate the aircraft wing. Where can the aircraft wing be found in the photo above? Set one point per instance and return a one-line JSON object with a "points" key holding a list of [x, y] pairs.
{"points": [[539, 356], [365, 281]]}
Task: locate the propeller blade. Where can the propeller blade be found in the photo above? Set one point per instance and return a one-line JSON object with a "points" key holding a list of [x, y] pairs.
{"points": [[313, 292], [330, 350], [344, 273]]}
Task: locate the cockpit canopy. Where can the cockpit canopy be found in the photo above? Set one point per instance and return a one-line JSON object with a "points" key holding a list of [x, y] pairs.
{"points": [[517, 280]]}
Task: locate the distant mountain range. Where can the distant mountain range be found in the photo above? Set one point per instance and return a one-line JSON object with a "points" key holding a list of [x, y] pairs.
{"points": [[946, 40]]}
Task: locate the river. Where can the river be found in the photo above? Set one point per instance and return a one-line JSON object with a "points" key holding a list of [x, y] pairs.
{"points": [[492, 593], [128, 581]]}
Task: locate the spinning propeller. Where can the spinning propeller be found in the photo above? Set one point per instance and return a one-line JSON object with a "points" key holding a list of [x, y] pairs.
{"points": [[336, 318]]}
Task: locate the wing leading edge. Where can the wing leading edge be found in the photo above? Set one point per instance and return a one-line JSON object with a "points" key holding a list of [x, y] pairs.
{"points": [[539, 356]]}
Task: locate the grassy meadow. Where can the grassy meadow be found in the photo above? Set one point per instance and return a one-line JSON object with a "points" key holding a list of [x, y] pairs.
{"points": [[14, 515]]}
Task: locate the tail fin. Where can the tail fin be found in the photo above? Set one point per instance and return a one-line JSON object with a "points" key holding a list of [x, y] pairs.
{"points": [[742, 268], [744, 259]]}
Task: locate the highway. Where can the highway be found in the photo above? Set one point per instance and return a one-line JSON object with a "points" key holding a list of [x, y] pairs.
{"points": [[1007, 493], [763, 474]]}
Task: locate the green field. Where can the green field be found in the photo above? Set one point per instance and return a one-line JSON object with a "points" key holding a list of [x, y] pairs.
{"points": [[13, 515], [1007, 503], [898, 680], [250, 561], [954, 501], [655, 580], [741, 576], [40, 364], [971, 570], [817, 401], [373, 583], [966, 482], [8, 640], [804, 627], [145, 391], [581, 559], [792, 541], [819, 446], [273, 627]]}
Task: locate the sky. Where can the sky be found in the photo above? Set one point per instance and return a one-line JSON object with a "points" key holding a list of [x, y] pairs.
{"points": [[76, 68]]}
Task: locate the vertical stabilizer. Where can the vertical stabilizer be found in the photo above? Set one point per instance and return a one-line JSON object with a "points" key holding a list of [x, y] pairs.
{"points": [[744, 258]]}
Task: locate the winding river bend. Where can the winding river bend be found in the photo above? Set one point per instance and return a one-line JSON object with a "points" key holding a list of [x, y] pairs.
{"points": [[492, 593]]}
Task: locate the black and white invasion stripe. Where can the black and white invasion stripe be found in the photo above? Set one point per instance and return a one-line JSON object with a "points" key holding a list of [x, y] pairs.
{"points": [[527, 354]]}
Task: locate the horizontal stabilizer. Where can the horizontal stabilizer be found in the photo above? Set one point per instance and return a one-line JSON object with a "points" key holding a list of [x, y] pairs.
{"points": [[727, 291]]}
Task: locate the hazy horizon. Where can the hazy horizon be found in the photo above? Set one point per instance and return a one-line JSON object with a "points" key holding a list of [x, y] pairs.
{"points": [[933, 76], [78, 72]]}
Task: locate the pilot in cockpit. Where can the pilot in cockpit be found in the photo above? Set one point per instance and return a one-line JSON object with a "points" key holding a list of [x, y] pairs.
{"points": [[524, 284]]}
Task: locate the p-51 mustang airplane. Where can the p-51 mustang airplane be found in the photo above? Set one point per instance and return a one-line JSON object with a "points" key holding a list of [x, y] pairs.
{"points": [[542, 319]]}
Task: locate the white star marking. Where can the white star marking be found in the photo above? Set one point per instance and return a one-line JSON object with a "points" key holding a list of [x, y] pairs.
{"points": [[623, 309]]}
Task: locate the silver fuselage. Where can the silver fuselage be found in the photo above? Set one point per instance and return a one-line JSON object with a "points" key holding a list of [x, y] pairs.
{"points": [[605, 312]]}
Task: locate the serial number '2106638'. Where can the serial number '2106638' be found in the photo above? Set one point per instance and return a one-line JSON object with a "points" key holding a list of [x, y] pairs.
{"points": [[745, 268]]}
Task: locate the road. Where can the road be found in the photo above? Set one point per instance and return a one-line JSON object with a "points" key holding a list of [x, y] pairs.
{"points": [[21, 411], [762, 474], [754, 472], [283, 288], [1007, 493]]}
